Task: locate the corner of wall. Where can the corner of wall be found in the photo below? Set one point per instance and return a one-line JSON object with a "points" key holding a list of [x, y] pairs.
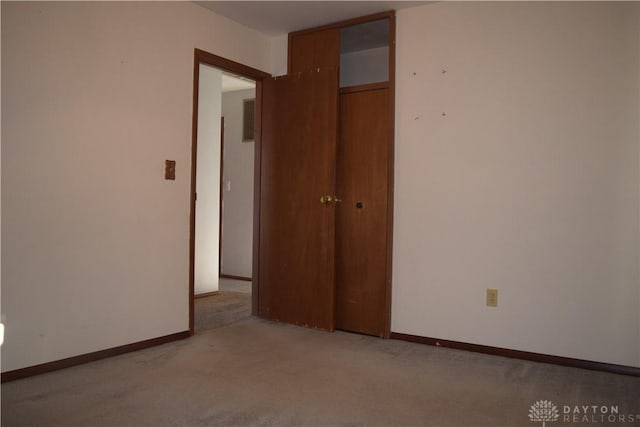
{"points": [[278, 57], [637, 10], [1, 314]]}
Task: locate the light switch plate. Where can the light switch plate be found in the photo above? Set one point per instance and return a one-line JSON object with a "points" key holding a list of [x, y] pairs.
{"points": [[170, 169]]}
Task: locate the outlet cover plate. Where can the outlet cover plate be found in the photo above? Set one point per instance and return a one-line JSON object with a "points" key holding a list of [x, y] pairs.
{"points": [[492, 297]]}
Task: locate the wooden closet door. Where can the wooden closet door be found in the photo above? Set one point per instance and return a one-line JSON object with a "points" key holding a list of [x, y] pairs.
{"points": [[361, 217], [310, 50], [298, 150]]}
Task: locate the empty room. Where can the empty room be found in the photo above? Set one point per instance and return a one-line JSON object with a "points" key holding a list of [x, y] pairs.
{"points": [[238, 213]]}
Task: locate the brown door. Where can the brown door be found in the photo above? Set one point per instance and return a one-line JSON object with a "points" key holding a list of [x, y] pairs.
{"points": [[361, 217], [310, 50], [298, 150]]}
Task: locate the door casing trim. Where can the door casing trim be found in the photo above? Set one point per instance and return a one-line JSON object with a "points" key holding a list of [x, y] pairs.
{"points": [[203, 57]]}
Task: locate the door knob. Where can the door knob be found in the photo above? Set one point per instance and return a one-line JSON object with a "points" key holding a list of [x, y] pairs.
{"points": [[326, 200]]}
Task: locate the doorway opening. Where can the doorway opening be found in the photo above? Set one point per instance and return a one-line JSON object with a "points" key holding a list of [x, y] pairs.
{"points": [[236, 191], [225, 154]]}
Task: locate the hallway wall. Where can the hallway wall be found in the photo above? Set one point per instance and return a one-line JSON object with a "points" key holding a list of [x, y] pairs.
{"points": [[237, 226]]}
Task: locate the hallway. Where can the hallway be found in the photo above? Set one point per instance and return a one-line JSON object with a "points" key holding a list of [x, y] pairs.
{"points": [[232, 304]]}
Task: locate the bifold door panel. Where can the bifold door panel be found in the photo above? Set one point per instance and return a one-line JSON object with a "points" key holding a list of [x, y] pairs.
{"points": [[298, 152], [361, 217]]}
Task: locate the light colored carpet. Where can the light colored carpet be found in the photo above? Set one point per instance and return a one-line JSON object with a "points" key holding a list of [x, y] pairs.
{"points": [[253, 372], [220, 310], [232, 285]]}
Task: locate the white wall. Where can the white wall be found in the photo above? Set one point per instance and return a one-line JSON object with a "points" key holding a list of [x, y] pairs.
{"points": [[208, 181], [529, 183], [237, 224], [95, 96], [279, 54]]}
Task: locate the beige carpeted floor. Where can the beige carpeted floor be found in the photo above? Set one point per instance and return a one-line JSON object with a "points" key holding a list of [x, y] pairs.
{"points": [[243, 371], [221, 310]]}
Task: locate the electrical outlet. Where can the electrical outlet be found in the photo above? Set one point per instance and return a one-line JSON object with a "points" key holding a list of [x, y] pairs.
{"points": [[492, 297]]}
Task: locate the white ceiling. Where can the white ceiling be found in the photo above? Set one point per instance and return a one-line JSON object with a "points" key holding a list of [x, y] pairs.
{"points": [[232, 83], [280, 17]]}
